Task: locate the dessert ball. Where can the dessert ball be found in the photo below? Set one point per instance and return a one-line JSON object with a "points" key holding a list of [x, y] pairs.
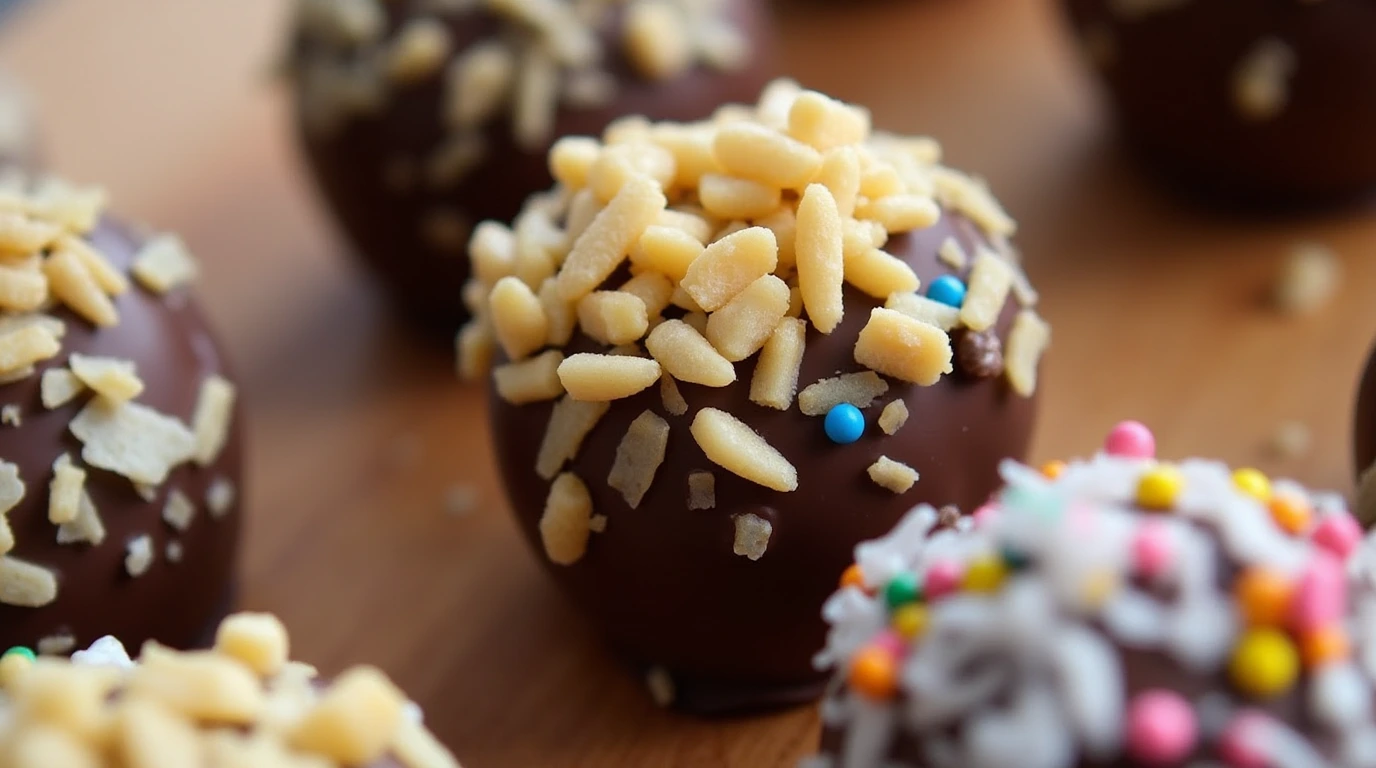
{"points": [[1364, 444], [744, 346], [119, 433], [420, 118], [1120, 611], [243, 703], [1272, 101]]}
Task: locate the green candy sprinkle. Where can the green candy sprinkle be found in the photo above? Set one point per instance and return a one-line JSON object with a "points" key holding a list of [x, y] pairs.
{"points": [[902, 590], [20, 650]]}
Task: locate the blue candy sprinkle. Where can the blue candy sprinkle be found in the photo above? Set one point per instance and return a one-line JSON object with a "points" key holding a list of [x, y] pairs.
{"points": [[844, 424], [947, 289]]}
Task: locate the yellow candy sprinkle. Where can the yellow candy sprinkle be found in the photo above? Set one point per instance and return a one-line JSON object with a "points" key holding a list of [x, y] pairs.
{"points": [[1265, 663], [1099, 587], [11, 666], [1253, 482], [1159, 487], [910, 621], [985, 574]]}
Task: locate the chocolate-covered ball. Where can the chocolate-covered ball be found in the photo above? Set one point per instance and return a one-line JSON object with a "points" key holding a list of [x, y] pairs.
{"points": [[1121, 611], [241, 703], [1364, 444], [1267, 102], [694, 447], [422, 118], [120, 450]]}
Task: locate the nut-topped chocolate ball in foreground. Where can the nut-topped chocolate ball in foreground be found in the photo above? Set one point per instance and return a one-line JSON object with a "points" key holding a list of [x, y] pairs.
{"points": [[422, 118], [1118, 612], [739, 351], [1270, 101], [242, 704], [119, 437]]}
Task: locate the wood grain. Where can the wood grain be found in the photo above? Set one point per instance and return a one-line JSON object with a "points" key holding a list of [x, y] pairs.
{"points": [[358, 432]]}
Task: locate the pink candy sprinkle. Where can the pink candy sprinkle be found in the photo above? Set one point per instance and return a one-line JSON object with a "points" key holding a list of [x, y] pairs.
{"points": [[1161, 728], [1338, 533], [985, 515], [1152, 551], [890, 641], [1240, 745], [1320, 595], [1131, 439], [941, 579]]}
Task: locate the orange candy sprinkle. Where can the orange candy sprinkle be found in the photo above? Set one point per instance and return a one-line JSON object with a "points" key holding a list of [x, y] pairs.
{"points": [[1053, 469], [1291, 514], [1264, 596], [1323, 646], [852, 577], [874, 673]]}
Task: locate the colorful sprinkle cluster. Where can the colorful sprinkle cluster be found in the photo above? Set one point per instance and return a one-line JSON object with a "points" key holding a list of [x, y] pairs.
{"points": [[1007, 639]]}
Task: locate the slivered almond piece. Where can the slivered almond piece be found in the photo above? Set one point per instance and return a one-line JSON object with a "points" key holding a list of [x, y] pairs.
{"points": [[107, 276], [1027, 340], [858, 237], [593, 377], [897, 345], [740, 328], [859, 389], [702, 490], [951, 254], [73, 285], [569, 422], [667, 250], [111, 378], [728, 197], [139, 555], [892, 475], [733, 445], [615, 165], [672, 398], [943, 316], [901, 213], [132, 440], [880, 274], [565, 525], [821, 267], [86, 527], [531, 380], [64, 492], [657, 39], [477, 82], [688, 221], [163, 263], [518, 319], [418, 50], [492, 252], [823, 122], [840, 173], [776, 373], [22, 290], [561, 316], [11, 493], [685, 354], [26, 585], [153, 735], [571, 158], [199, 684], [21, 348], [638, 457], [210, 421], [355, 720], [893, 417], [58, 387], [991, 279], [178, 511], [219, 497], [652, 288], [416, 747], [752, 536], [607, 240], [475, 346], [259, 640], [21, 235], [784, 224], [752, 151], [727, 266], [613, 317]]}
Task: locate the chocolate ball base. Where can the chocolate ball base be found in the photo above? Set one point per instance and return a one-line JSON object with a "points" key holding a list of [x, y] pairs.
{"points": [[662, 581], [387, 227], [174, 603], [1364, 421], [1170, 80]]}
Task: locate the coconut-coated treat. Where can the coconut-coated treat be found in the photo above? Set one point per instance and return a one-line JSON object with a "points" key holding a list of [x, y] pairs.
{"points": [[120, 446], [741, 347], [1120, 611], [420, 118], [241, 704], [1260, 101]]}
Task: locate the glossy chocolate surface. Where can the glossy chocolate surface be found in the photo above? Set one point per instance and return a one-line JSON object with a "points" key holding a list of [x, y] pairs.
{"points": [[1364, 420], [386, 226], [1169, 77], [175, 603], [662, 581]]}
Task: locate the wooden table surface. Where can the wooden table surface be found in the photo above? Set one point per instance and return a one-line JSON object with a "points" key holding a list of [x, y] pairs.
{"points": [[358, 431]]}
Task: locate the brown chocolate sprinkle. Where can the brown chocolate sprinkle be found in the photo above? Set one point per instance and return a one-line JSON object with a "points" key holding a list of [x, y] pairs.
{"points": [[979, 353]]}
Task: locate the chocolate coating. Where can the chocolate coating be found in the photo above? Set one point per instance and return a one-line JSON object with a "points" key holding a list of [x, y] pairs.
{"points": [[387, 226], [662, 581], [1364, 421], [175, 603], [1169, 77]]}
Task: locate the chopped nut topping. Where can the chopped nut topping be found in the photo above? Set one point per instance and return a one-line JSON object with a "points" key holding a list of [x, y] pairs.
{"points": [[58, 387], [26, 585], [1309, 277], [179, 510], [943, 316], [880, 274], [12, 415], [760, 154], [728, 197], [420, 48], [593, 377], [65, 490], [1261, 82], [21, 348], [164, 263], [892, 475], [259, 640], [565, 523], [518, 318], [86, 527], [112, 378], [752, 536], [638, 457], [893, 417], [730, 264], [741, 327], [859, 389], [951, 254], [897, 345], [661, 687], [613, 317], [990, 281], [608, 239], [570, 422], [702, 490], [139, 556], [531, 380], [776, 373], [57, 645], [821, 265], [132, 440], [825, 123], [1027, 340], [672, 398], [219, 497], [72, 283], [731, 444]]}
